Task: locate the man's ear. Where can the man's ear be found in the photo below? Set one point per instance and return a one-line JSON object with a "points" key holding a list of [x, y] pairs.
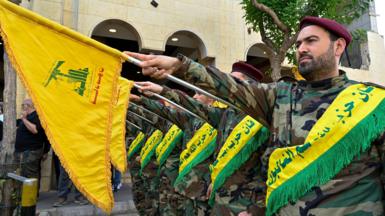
{"points": [[339, 46]]}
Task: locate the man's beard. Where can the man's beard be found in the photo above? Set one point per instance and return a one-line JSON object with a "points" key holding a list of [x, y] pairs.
{"points": [[321, 65]]}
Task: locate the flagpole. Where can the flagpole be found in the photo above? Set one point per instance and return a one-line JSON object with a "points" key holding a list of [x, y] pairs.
{"points": [[141, 117], [171, 102], [141, 107], [199, 90], [183, 83], [134, 125]]}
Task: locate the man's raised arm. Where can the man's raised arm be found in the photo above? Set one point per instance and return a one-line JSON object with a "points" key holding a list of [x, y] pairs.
{"points": [[255, 99]]}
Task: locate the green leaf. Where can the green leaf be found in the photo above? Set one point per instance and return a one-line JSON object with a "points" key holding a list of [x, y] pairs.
{"points": [[291, 11]]}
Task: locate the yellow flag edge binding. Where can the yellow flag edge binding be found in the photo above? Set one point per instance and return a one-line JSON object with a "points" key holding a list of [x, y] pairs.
{"points": [[42, 117], [124, 168]]}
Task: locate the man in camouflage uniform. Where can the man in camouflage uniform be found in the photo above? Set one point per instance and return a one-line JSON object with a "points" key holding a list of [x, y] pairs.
{"points": [[190, 197], [291, 109], [169, 201], [245, 186], [134, 167], [150, 187]]}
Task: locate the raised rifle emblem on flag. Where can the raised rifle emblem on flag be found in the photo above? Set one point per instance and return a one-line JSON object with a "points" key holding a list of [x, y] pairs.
{"points": [[78, 77]]}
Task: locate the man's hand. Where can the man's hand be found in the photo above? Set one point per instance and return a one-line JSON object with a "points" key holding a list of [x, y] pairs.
{"points": [[134, 98], [149, 87], [209, 190], [137, 158], [244, 213], [29, 125], [24, 114], [156, 66]]}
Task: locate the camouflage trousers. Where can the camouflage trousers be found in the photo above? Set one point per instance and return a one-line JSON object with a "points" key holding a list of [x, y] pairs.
{"points": [[196, 208], [137, 185], [170, 202], [365, 196], [194, 187], [244, 188], [227, 207], [151, 189]]}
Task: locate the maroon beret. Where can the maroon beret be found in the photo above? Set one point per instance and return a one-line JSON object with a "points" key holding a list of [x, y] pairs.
{"points": [[328, 24], [248, 70]]}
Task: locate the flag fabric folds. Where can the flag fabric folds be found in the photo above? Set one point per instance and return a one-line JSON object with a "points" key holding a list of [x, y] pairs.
{"points": [[72, 81], [118, 132]]}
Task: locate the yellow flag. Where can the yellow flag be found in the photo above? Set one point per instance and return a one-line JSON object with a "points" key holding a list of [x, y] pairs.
{"points": [[118, 132], [72, 81]]}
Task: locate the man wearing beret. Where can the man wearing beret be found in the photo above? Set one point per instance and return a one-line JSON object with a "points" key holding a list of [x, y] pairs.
{"points": [[243, 185], [326, 149]]}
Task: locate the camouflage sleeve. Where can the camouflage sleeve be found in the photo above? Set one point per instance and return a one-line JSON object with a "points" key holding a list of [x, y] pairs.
{"points": [[210, 114], [163, 125], [255, 99], [131, 130], [131, 133], [182, 119], [146, 126]]}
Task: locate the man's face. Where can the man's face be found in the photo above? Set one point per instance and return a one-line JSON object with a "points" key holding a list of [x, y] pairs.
{"points": [[315, 51], [27, 106], [203, 98], [238, 75]]}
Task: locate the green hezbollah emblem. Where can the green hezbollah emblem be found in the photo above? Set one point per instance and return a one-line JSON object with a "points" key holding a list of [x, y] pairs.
{"points": [[78, 77]]}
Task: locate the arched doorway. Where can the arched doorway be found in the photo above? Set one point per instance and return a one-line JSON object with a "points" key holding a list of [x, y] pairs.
{"points": [[124, 37], [257, 55], [190, 45]]}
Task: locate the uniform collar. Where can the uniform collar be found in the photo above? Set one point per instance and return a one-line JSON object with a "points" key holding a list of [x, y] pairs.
{"points": [[339, 80]]}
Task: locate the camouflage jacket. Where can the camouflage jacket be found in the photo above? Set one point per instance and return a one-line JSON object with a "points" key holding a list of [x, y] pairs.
{"points": [[131, 133], [247, 184], [290, 110], [150, 171], [210, 114], [147, 130], [183, 120], [195, 183], [157, 123], [131, 130]]}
